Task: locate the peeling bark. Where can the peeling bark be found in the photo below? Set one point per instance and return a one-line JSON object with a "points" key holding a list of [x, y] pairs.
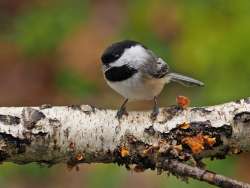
{"points": [[84, 134]]}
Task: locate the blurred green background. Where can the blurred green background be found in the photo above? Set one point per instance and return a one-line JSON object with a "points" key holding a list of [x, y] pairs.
{"points": [[50, 53]]}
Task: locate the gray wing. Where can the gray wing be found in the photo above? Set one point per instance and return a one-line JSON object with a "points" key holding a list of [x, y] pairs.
{"points": [[157, 68], [154, 66]]}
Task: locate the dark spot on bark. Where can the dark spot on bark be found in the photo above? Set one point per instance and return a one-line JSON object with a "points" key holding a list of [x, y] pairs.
{"points": [[45, 106], [225, 130], [131, 139], [75, 107], [93, 108], [117, 129], [102, 141], [14, 145], [238, 101], [222, 154], [150, 130], [203, 110], [41, 134], [31, 116], [9, 120], [8, 138], [66, 133], [55, 122], [207, 128], [135, 158], [101, 138], [55, 146], [145, 162], [171, 112], [108, 152], [247, 100], [87, 112], [3, 156], [243, 117], [27, 135]]}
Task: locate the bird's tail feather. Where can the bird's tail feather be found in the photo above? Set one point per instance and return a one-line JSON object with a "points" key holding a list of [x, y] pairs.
{"points": [[184, 80]]}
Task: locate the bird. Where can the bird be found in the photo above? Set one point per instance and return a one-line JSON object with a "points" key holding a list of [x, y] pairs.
{"points": [[137, 73]]}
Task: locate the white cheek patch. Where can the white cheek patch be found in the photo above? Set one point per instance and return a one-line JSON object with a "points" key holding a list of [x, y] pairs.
{"points": [[134, 57]]}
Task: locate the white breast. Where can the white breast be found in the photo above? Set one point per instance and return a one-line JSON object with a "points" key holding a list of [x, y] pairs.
{"points": [[138, 87]]}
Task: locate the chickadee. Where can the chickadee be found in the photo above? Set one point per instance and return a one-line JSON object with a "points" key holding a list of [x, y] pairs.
{"points": [[136, 73]]}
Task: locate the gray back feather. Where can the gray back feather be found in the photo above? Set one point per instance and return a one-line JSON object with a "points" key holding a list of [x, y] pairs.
{"points": [[154, 66]]}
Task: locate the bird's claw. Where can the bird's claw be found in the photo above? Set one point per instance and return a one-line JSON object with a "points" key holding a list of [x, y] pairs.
{"points": [[121, 112], [154, 114]]}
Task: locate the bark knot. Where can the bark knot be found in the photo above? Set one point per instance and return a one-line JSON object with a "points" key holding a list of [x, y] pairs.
{"points": [[243, 117], [31, 116], [9, 120]]}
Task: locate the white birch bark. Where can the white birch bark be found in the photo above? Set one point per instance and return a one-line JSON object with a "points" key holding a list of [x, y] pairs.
{"points": [[78, 134]]}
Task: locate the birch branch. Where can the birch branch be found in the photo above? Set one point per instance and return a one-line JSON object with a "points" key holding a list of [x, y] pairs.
{"points": [[85, 134], [185, 170]]}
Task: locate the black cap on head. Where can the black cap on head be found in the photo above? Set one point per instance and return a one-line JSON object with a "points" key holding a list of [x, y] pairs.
{"points": [[115, 51]]}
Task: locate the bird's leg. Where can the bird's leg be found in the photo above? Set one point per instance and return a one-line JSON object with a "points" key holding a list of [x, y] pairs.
{"points": [[155, 111], [122, 110]]}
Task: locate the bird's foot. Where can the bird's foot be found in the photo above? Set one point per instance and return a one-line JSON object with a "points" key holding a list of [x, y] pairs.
{"points": [[154, 114], [121, 112]]}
